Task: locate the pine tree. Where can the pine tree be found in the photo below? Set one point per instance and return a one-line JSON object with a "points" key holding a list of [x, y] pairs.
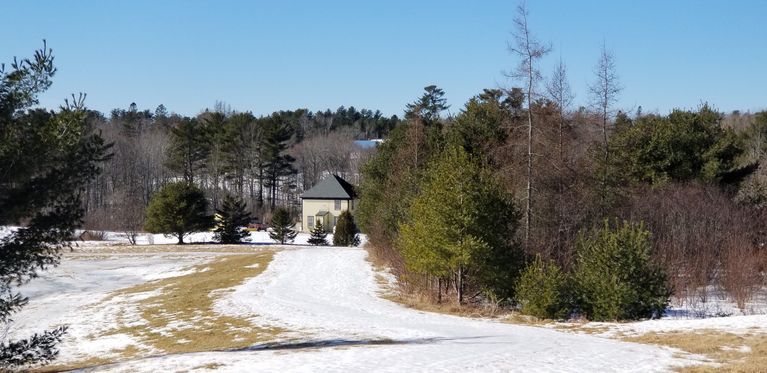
{"points": [[282, 227], [177, 210], [318, 235], [231, 220], [461, 225], [46, 159], [615, 275], [189, 148], [346, 231]]}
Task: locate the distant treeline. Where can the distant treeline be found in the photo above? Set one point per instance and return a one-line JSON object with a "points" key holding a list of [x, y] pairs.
{"points": [[267, 160]]}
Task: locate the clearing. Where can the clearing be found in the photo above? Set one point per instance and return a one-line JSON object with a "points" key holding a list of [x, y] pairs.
{"points": [[260, 308]]}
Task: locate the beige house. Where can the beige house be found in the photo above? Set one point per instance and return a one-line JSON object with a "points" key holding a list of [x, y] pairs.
{"points": [[325, 201]]}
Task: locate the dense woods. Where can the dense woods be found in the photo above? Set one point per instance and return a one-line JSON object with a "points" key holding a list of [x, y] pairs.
{"points": [[673, 203], [266, 161]]}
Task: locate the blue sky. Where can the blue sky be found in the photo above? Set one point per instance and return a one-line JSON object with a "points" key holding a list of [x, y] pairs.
{"points": [[264, 56]]}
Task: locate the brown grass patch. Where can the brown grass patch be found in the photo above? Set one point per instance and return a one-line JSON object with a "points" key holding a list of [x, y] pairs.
{"points": [[425, 303], [209, 366], [730, 352], [181, 318]]}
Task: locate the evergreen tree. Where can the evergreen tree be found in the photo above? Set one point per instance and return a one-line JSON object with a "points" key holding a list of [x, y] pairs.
{"points": [[189, 148], [682, 146], [282, 227], [461, 225], [318, 235], [429, 106], [346, 231], [390, 178], [46, 159], [231, 220], [615, 276], [178, 209], [277, 162]]}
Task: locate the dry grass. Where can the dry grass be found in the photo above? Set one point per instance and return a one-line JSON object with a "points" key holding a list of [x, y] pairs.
{"points": [[728, 352], [180, 318], [420, 302]]}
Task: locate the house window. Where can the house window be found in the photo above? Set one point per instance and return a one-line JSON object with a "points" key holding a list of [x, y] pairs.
{"points": [[310, 221], [338, 205]]}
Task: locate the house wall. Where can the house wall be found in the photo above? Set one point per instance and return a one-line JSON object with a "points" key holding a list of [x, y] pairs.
{"points": [[310, 207]]}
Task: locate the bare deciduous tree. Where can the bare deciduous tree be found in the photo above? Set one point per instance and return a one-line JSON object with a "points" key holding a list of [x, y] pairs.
{"points": [[529, 51], [604, 93], [559, 92]]}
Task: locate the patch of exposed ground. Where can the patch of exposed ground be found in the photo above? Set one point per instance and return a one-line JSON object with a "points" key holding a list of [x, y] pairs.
{"points": [[728, 352], [175, 315]]}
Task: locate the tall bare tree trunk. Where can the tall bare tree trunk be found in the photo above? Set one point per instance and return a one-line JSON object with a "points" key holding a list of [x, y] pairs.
{"points": [[559, 92], [529, 51], [604, 94]]}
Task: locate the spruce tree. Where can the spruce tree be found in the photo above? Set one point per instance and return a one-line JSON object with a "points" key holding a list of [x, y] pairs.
{"points": [[46, 159], [318, 235], [282, 226], [346, 231], [178, 209], [231, 220]]}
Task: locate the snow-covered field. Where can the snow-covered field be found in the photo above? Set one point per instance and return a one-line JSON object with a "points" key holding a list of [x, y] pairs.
{"points": [[329, 300]]}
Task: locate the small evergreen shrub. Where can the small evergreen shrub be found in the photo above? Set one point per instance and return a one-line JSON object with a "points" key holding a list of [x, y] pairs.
{"points": [[282, 227], [346, 231], [542, 290], [178, 209], [231, 220], [318, 235], [615, 277]]}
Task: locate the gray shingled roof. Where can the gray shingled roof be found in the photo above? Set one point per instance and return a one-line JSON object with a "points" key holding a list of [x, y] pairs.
{"points": [[332, 187]]}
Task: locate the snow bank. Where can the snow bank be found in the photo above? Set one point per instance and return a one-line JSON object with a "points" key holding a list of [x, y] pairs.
{"points": [[329, 295]]}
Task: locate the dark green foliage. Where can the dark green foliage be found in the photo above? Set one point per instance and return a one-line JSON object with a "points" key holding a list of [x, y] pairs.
{"points": [[189, 148], [231, 220], [428, 107], [346, 231], [462, 225], [390, 178], [479, 127], [46, 159], [277, 163], [386, 189], [318, 235], [178, 209], [282, 227], [615, 276], [543, 292], [682, 146]]}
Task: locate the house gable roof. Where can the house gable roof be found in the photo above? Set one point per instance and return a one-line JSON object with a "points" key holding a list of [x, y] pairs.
{"points": [[332, 187]]}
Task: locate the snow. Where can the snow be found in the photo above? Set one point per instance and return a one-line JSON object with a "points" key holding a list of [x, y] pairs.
{"points": [[730, 324], [331, 296], [257, 238], [66, 295]]}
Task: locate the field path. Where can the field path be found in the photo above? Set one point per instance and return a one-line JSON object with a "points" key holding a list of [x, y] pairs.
{"points": [[332, 295]]}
